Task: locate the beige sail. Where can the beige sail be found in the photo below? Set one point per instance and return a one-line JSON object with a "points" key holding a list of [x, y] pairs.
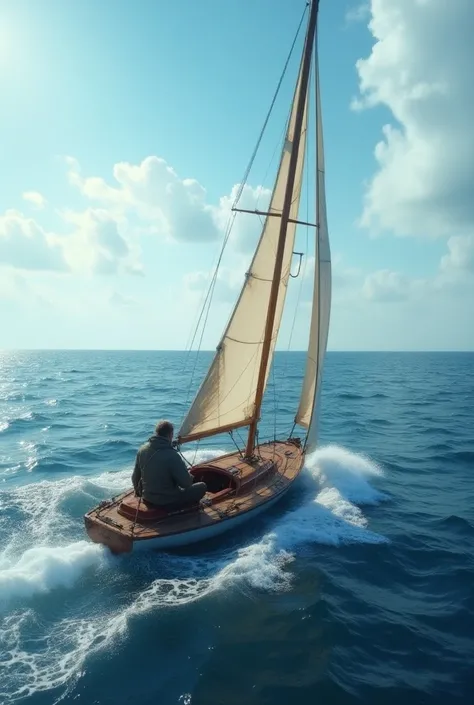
{"points": [[307, 414], [226, 398]]}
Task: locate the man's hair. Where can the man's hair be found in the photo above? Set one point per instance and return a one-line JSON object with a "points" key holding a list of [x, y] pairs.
{"points": [[164, 429]]}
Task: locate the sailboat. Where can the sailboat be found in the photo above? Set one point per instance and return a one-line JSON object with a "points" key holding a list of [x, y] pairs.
{"points": [[244, 483]]}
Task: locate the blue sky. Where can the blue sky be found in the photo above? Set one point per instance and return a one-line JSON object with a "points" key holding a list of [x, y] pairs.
{"points": [[178, 91]]}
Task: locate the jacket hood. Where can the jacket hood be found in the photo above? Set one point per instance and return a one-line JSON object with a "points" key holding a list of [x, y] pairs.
{"points": [[159, 442]]}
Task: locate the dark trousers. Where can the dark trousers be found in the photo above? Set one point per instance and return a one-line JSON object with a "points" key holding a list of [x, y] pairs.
{"points": [[190, 495]]}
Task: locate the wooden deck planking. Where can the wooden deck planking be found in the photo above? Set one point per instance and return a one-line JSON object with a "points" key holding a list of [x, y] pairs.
{"points": [[287, 469]]}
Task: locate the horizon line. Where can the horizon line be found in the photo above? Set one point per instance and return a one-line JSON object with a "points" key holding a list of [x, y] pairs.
{"points": [[183, 350]]}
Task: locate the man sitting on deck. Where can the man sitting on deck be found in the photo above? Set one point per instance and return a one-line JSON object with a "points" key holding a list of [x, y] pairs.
{"points": [[160, 475]]}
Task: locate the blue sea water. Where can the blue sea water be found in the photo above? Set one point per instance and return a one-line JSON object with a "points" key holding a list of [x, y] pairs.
{"points": [[357, 588]]}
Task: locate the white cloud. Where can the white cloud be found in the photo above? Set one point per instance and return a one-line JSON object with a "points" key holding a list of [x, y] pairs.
{"points": [[460, 255], [35, 198], [385, 285], [420, 68], [173, 208], [26, 245], [147, 200], [452, 279], [247, 227], [100, 243], [155, 193]]}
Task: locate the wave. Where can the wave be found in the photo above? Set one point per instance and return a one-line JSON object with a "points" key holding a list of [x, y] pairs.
{"points": [[458, 525], [326, 509], [43, 568], [336, 483], [18, 423]]}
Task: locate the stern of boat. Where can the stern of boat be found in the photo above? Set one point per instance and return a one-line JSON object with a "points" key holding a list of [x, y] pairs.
{"points": [[100, 532]]}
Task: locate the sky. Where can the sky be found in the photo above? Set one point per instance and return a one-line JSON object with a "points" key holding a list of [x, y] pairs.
{"points": [[126, 128]]}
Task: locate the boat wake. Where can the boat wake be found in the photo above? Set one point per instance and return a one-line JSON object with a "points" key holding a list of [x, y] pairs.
{"points": [[45, 558]]}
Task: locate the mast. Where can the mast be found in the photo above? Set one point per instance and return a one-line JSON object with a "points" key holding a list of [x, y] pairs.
{"points": [[306, 65]]}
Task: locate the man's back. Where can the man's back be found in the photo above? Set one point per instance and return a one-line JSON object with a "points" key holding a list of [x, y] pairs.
{"points": [[160, 472]]}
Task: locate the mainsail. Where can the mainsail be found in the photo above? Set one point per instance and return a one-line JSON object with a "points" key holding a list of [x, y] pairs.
{"points": [[226, 398], [307, 414], [231, 394]]}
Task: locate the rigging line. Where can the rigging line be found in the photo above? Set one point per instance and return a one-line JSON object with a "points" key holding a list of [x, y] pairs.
{"points": [[240, 438], [196, 451], [252, 159], [185, 459], [192, 335], [208, 301], [214, 276], [211, 292], [236, 444]]}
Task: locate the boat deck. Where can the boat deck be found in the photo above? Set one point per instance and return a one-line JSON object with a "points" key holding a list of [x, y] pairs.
{"points": [[277, 466]]}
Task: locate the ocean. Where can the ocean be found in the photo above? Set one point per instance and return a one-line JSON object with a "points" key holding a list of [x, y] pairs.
{"points": [[357, 588]]}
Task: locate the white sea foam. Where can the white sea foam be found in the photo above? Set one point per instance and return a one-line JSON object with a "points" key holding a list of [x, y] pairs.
{"points": [[336, 485], [43, 568]]}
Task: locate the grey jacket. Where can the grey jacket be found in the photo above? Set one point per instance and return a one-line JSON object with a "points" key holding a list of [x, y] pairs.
{"points": [[160, 473]]}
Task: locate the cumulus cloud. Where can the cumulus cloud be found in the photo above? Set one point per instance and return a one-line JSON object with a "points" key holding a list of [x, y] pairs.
{"points": [[420, 68], [146, 200], [460, 254], [26, 245], [98, 243], [385, 285], [173, 208], [153, 191], [34, 198], [452, 279]]}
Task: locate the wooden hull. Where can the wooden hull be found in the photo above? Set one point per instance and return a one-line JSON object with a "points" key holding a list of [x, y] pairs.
{"points": [[253, 486]]}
